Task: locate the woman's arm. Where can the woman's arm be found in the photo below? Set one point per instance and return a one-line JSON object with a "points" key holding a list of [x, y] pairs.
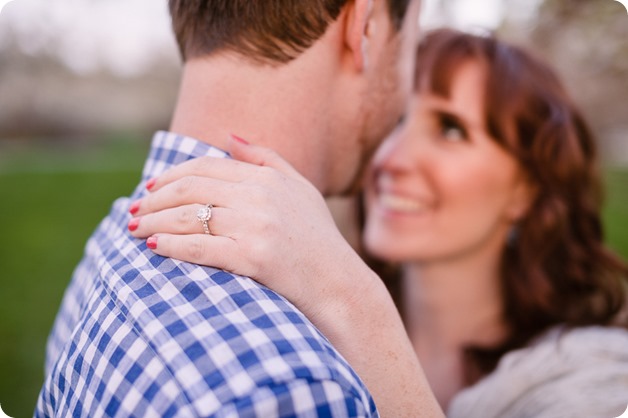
{"points": [[271, 224]]}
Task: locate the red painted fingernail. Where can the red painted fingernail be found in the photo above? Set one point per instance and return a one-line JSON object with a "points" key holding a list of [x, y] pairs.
{"points": [[152, 243], [150, 184], [134, 224], [240, 140], [135, 207]]}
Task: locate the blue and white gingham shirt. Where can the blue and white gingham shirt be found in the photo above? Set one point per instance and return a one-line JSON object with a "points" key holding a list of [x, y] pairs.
{"points": [[146, 336]]}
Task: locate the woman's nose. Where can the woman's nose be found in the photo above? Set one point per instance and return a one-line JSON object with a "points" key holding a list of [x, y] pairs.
{"points": [[400, 152]]}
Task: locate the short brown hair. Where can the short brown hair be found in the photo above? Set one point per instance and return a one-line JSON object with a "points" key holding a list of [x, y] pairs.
{"points": [[268, 31]]}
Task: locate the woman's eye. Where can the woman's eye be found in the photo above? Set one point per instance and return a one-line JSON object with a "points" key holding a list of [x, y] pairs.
{"points": [[453, 133], [452, 130]]}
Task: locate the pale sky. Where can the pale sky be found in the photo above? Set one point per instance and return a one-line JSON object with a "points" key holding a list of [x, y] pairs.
{"points": [[464, 14], [4, 3], [124, 36], [128, 36]]}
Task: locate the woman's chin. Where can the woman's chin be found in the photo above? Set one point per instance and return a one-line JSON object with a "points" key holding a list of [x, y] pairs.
{"points": [[388, 253]]}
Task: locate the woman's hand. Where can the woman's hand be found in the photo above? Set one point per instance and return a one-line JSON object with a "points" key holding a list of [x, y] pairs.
{"points": [[267, 222]]}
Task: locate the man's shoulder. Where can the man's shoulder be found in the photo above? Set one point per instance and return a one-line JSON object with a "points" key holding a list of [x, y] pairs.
{"points": [[201, 309], [202, 339], [195, 337], [223, 336]]}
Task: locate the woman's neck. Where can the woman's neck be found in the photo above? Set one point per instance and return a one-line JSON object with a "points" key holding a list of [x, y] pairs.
{"points": [[449, 306]]}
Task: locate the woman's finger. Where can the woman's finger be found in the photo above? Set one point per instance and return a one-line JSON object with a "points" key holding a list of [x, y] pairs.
{"points": [[246, 164], [225, 169], [179, 220], [183, 220], [208, 250], [187, 191]]}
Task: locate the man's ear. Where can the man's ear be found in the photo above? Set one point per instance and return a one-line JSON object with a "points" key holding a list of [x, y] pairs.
{"points": [[356, 39]]}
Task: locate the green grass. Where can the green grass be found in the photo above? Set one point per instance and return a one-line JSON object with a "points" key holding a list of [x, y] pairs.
{"points": [[49, 206], [50, 203], [616, 210]]}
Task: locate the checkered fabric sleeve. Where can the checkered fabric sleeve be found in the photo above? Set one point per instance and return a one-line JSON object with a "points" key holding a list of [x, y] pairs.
{"points": [[143, 335]]}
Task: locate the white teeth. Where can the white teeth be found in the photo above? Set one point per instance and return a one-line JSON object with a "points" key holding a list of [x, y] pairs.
{"points": [[401, 204]]}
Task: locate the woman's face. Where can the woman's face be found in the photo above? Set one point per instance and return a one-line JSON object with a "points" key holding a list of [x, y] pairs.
{"points": [[440, 187]]}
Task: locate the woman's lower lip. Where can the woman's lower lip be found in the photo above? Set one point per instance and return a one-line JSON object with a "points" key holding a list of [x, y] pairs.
{"points": [[399, 213]]}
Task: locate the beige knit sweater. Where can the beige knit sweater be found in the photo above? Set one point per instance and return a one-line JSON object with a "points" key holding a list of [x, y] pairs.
{"points": [[578, 373]]}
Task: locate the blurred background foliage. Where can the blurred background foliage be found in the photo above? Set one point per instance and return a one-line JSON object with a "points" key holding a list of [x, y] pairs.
{"points": [[83, 85]]}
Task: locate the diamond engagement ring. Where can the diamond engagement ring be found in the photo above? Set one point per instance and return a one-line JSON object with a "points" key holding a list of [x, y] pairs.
{"points": [[204, 214]]}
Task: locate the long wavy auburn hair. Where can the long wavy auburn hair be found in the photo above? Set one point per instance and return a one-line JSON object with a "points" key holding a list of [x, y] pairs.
{"points": [[557, 270]]}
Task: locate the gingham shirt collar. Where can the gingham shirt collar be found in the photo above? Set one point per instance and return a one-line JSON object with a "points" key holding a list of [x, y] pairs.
{"points": [[169, 149]]}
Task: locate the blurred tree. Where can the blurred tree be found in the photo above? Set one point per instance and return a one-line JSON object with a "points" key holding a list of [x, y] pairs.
{"points": [[587, 42], [83, 70]]}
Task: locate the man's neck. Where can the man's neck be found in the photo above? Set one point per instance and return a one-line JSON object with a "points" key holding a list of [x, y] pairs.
{"points": [[284, 108]]}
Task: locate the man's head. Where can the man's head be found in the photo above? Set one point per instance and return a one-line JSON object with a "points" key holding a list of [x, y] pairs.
{"points": [[320, 81], [274, 31]]}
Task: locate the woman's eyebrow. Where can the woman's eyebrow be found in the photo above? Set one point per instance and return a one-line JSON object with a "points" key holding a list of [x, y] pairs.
{"points": [[451, 116], [444, 114]]}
